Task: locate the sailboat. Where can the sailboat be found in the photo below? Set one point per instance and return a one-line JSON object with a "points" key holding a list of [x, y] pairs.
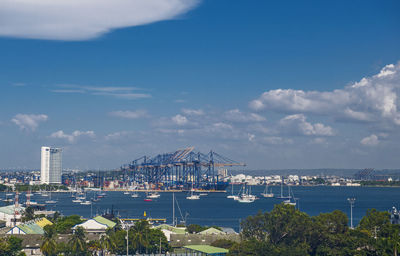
{"points": [[153, 195], [282, 196], [50, 201], [266, 193], [291, 200], [231, 195], [246, 196], [193, 196]]}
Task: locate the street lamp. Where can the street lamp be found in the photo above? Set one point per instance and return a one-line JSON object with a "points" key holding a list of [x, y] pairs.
{"points": [[351, 201]]}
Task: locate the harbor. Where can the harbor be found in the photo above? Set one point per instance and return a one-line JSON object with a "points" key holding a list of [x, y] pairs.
{"points": [[217, 209]]}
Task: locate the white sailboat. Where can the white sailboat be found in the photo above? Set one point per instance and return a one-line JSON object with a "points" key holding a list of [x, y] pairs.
{"points": [[266, 193], [193, 196], [153, 195], [50, 201], [232, 196], [135, 195], [291, 200], [246, 196], [282, 196]]}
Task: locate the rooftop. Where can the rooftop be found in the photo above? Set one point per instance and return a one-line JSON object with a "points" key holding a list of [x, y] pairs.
{"points": [[208, 249]]}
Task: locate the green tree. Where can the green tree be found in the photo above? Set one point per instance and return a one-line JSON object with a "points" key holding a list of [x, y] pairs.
{"points": [[107, 242], [49, 245], [64, 225], [29, 214], [223, 243], [77, 242]]}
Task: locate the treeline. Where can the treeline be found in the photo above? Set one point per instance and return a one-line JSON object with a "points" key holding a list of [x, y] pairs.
{"points": [[380, 183], [287, 231], [142, 239], [44, 187]]}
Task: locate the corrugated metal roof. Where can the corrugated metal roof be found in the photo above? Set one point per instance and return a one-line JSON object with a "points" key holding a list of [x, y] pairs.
{"points": [[43, 222], [172, 229], [104, 221], [208, 249], [10, 209], [211, 231]]}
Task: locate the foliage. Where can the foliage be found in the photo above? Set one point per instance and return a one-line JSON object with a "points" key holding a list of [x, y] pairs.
{"points": [[63, 225], [11, 246], [77, 243], [287, 231], [223, 243], [29, 214], [142, 239], [47, 187], [49, 245], [380, 183]]}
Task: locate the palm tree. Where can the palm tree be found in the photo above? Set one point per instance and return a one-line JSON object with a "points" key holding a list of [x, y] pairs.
{"points": [[139, 235], [49, 245], [77, 242], [107, 243]]}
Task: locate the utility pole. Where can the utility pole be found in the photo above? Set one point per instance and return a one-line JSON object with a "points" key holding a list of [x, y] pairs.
{"points": [[160, 245], [124, 225], [351, 201]]}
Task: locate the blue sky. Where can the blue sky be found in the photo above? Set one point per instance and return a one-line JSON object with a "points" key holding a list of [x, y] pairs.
{"points": [[288, 84]]}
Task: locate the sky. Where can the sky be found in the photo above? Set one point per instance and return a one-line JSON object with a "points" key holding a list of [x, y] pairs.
{"points": [[273, 84]]}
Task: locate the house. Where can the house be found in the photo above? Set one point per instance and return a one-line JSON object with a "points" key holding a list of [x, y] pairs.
{"points": [[96, 225], [11, 214], [33, 227], [211, 231], [206, 250], [168, 230]]}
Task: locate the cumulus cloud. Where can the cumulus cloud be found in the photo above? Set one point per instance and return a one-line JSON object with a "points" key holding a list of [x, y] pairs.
{"points": [[371, 140], [299, 125], [28, 121], [71, 138], [82, 19], [179, 119], [129, 114], [235, 115], [372, 99]]}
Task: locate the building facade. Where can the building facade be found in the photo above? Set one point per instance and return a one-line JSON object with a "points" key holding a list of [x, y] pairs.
{"points": [[51, 165]]}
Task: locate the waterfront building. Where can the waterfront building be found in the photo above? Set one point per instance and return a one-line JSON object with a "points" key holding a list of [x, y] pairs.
{"points": [[97, 225], [11, 214], [51, 165]]}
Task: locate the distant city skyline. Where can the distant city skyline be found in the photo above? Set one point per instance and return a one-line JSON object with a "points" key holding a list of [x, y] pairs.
{"points": [[277, 85]]}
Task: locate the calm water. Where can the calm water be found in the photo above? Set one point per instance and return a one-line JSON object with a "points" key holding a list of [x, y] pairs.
{"points": [[216, 209]]}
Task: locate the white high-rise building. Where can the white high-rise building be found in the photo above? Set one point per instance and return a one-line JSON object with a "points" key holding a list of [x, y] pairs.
{"points": [[51, 165]]}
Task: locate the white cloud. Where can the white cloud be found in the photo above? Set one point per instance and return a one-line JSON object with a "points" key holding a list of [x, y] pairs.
{"points": [[129, 114], [179, 119], [118, 135], [71, 138], [28, 121], [275, 140], [193, 112], [372, 99], [82, 19], [236, 115], [371, 140], [299, 125], [129, 93]]}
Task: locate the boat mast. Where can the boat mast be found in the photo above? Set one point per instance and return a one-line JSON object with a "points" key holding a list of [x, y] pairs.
{"points": [[173, 209]]}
